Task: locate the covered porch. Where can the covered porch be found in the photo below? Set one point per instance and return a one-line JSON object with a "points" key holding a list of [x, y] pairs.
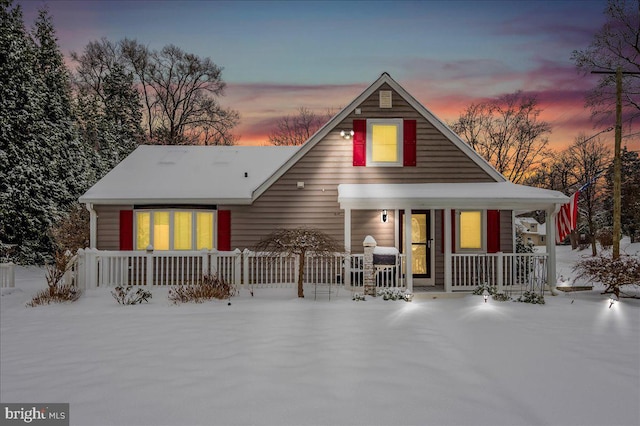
{"points": [[462, 268]]}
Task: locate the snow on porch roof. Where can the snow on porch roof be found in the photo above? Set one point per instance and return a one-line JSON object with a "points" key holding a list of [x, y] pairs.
{"points": [[188, 175], [481, 195]]}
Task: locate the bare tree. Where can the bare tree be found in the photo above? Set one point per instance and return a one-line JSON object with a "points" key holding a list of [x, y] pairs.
{"points": [[507, 132], [179, 90], [294, 130], [590, 158], [298, 242], [616, 44]]}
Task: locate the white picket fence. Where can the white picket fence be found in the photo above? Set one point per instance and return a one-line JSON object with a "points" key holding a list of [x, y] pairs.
{"points": [[94, 268], [7, 275], [505, 271]]}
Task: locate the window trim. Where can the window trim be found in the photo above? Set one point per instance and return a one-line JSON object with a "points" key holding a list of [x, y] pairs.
{"points": [[399, 124], [194, 228], [483, 232]]}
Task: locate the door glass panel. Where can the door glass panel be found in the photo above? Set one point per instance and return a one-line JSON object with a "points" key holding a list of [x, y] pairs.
{"points": [[419, 258], [419, 228]]}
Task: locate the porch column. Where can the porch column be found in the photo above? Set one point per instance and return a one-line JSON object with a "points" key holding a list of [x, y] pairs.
{"points": [[447, 250], [93, 226], [550, 225], [347, 247], [408, 250]]}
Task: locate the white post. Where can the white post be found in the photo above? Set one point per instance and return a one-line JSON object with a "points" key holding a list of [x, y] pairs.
{"points": [[245, 266], [550, 225], [213, 267], [447, 250], [408, 249], [500, 272], [93, 226], [369, 279], [149, 257], [237, 268], [91, 259], [347, 247], [81, 270]]}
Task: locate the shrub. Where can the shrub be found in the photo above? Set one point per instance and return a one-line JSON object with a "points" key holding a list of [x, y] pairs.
{"points": [[57, 291], [531, 297], [212, 287], [61, 293], [605, 237], [130, 295], [613, 273]]}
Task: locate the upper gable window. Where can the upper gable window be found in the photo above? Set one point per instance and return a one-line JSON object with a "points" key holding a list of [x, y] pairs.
{"points": [[384, 142]]}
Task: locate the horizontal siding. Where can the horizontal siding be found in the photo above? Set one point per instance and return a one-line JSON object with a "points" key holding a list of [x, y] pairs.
{"points": [[329, 163], [109, 226]]}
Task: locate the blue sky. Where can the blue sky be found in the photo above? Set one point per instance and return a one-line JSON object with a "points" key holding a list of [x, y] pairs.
{"points": [[279, 56]]}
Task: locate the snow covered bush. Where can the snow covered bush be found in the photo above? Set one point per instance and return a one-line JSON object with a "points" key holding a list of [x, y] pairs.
{"points": [[212, 287], [493, 292], [130, 295], [613, 273], [531, 297], [392, 294], [605, 237]]}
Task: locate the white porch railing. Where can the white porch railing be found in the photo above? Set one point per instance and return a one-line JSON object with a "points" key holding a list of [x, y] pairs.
{"points": [[386, 276], [7, 275], [506, 271]]}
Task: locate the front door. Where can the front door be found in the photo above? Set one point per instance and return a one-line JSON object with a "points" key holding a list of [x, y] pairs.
{"points": [[421, 246]]}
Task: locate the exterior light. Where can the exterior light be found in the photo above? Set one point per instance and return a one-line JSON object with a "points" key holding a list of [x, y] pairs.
{"points": [[408, 297], [611, 302], [485, 295], [384, 216], [347, 134]]}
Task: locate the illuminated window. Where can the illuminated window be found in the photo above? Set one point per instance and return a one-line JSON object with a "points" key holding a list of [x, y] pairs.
{"points": [[182, 231], [174, 229], [470, 235], [384, 142], [204, 226], [143, 226]]}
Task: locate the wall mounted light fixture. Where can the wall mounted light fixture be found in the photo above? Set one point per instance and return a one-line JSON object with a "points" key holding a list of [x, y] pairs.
{"points": [[347, 134], [384, 216]]}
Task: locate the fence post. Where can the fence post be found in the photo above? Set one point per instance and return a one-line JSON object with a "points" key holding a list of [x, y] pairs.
{"points": [[149, 258], [245, 266], [91, 270], [237, 268], [205, 264], [213, 267], [369, 279], [7, 275], [500, 274], [81, 272]]}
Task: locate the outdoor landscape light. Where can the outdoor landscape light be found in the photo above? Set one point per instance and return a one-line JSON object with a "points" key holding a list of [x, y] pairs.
{"points": [[485, 295], [408, 297], [611, 301], [347, 134]]}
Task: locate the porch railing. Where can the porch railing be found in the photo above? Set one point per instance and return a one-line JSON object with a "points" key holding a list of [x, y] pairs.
{"points": [[505, 271], [386, 276]]}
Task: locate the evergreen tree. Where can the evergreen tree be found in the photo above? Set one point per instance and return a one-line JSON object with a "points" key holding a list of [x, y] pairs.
{"points": [[42, 165]]}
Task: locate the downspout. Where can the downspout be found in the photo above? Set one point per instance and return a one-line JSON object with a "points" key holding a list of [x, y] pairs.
{"points": [[551, 248], [93, 225]]}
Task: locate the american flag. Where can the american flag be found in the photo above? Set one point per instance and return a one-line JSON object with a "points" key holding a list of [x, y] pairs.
{"points": [[567, 218]]}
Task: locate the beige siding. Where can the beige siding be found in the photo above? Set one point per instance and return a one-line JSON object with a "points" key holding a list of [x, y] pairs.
{"points": [[329, 163], [109, 226]]}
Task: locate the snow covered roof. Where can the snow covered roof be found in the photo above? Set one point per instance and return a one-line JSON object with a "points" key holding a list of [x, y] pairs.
{"points": [[525, 224], [481, 195], [188, 175]]}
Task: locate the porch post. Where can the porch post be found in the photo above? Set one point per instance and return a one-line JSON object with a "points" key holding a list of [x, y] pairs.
{"points": [[550, 225], [347, 247], [407, 250], [93, 226], [447, 250]]}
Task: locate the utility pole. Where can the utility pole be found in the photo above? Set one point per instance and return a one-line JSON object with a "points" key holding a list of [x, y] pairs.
{"points": [[617, 162]]}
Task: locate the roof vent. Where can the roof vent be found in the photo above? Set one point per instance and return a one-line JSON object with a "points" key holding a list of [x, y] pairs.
{"points": [[385, 99]]}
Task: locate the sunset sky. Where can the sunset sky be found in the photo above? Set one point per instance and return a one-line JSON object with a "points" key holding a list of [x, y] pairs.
{"points": [[279, 56]]}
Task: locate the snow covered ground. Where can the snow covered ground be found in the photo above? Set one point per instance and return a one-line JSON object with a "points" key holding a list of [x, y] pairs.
{"points": [[277, 360]]}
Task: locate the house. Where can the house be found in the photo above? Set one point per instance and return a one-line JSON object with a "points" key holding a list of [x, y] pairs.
{"points": [[532, 232], [384, 166]]}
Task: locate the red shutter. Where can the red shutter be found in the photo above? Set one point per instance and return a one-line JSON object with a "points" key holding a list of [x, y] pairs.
{"points": [[359, 142], [409, 143], [453, 231], [126, 229], [493, 231], [224, 230]]}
